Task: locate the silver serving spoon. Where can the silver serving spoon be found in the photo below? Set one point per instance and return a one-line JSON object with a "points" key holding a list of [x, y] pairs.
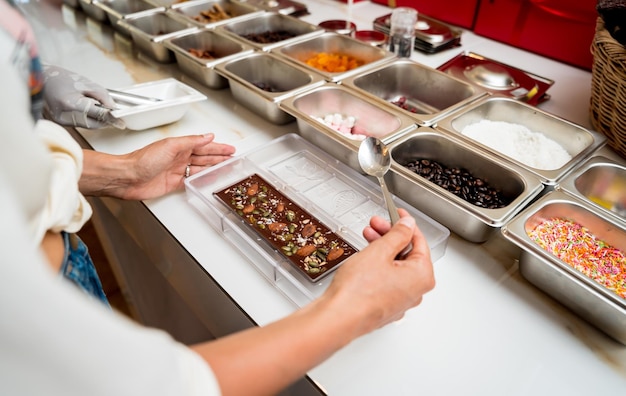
{"points": [[375, 160], [132, 98]]}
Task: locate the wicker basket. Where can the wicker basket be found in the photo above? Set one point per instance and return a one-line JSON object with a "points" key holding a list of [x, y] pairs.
{"points": [[608, 88]]}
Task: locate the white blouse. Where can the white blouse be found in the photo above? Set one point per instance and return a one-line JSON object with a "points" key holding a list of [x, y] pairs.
{"points": [[53, 340], [47, 185]]}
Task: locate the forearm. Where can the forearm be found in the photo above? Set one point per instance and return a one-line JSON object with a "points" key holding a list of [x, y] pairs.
{"points": [[105, 174], [264, 360]]}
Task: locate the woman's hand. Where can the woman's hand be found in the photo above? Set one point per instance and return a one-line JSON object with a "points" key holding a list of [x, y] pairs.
{"points": [[368, 291], [375, 284], [153, 170]]}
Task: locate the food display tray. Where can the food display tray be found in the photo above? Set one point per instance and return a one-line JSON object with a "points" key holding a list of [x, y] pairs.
{"points": [[155, 103], [498, 78], [431, 35], [335, 194]]}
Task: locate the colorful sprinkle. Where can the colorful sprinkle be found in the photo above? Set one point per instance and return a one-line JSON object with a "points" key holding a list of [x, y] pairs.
{"points": [[579, 248]]}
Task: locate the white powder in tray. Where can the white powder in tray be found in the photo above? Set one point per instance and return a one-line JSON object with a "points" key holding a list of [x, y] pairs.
{"points": [[533, 149]]}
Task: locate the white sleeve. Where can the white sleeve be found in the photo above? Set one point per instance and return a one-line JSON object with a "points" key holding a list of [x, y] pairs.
{"points": [[66, 208], [47, 185], [54, 341], [23, 156]]}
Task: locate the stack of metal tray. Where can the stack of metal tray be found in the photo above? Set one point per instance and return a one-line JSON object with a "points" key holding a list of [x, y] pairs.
{"points": [[431, 35]]}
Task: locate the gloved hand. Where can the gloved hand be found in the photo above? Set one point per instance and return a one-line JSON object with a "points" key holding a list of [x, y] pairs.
{"points": [[73, 100]]}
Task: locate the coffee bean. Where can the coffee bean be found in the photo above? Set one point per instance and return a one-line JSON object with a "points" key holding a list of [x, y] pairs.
{"points": [[265, 86], [269, 37], [460, 182]]}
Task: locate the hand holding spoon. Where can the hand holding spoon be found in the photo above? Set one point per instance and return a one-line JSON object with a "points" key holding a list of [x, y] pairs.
{"points": [[375, 160]]}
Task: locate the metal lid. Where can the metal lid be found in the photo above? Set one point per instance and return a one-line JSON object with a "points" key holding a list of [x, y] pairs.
{"points": [[340, 26], [373, 37]]}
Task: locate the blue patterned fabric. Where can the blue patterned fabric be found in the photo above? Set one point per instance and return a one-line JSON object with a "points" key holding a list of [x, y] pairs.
{"points": [[78, 268]]}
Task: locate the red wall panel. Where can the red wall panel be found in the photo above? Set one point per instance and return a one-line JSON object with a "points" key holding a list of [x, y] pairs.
{"points": [[456, 12], [559, 29]]}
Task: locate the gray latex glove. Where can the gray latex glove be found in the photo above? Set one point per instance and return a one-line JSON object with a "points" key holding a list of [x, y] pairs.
{"points": [[73, 100]]}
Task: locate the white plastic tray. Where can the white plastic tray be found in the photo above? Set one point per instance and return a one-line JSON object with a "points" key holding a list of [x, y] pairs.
{"points": [[343, 199], [174, 97]]}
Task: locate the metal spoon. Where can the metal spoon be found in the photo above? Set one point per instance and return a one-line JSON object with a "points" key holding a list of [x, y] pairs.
{"points": [[375, 160], [132, 98]]}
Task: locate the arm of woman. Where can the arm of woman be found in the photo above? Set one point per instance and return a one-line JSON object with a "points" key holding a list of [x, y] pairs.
{"points": [[370, 290], [151, 171]]}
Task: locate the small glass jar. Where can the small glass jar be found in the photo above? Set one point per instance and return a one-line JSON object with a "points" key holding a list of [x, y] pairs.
{"points": [[402, 31], [339, 26]]}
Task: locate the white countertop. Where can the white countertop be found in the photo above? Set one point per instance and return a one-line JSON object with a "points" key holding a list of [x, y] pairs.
{"points": [[483, 330]]}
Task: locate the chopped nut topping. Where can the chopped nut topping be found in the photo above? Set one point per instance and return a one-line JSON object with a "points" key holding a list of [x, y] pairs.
{"points": [[299, 236]]}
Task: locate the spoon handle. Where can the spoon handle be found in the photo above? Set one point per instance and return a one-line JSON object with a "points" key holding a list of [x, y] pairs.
{"points": [[393, 214], [393, 211]]}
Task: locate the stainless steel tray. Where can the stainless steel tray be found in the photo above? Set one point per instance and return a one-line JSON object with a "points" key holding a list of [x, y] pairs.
{"points": [[371, 120], [248, 76], [189, 11], [270, 22], [576, 140], [150, 30], [601, 183], [428, 94], [471, 222], [584, 296], [334, 43], [116, 10], [223, 49]]}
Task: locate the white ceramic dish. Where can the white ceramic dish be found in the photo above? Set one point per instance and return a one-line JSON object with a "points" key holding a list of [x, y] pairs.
{"points": [[175, 99]]}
